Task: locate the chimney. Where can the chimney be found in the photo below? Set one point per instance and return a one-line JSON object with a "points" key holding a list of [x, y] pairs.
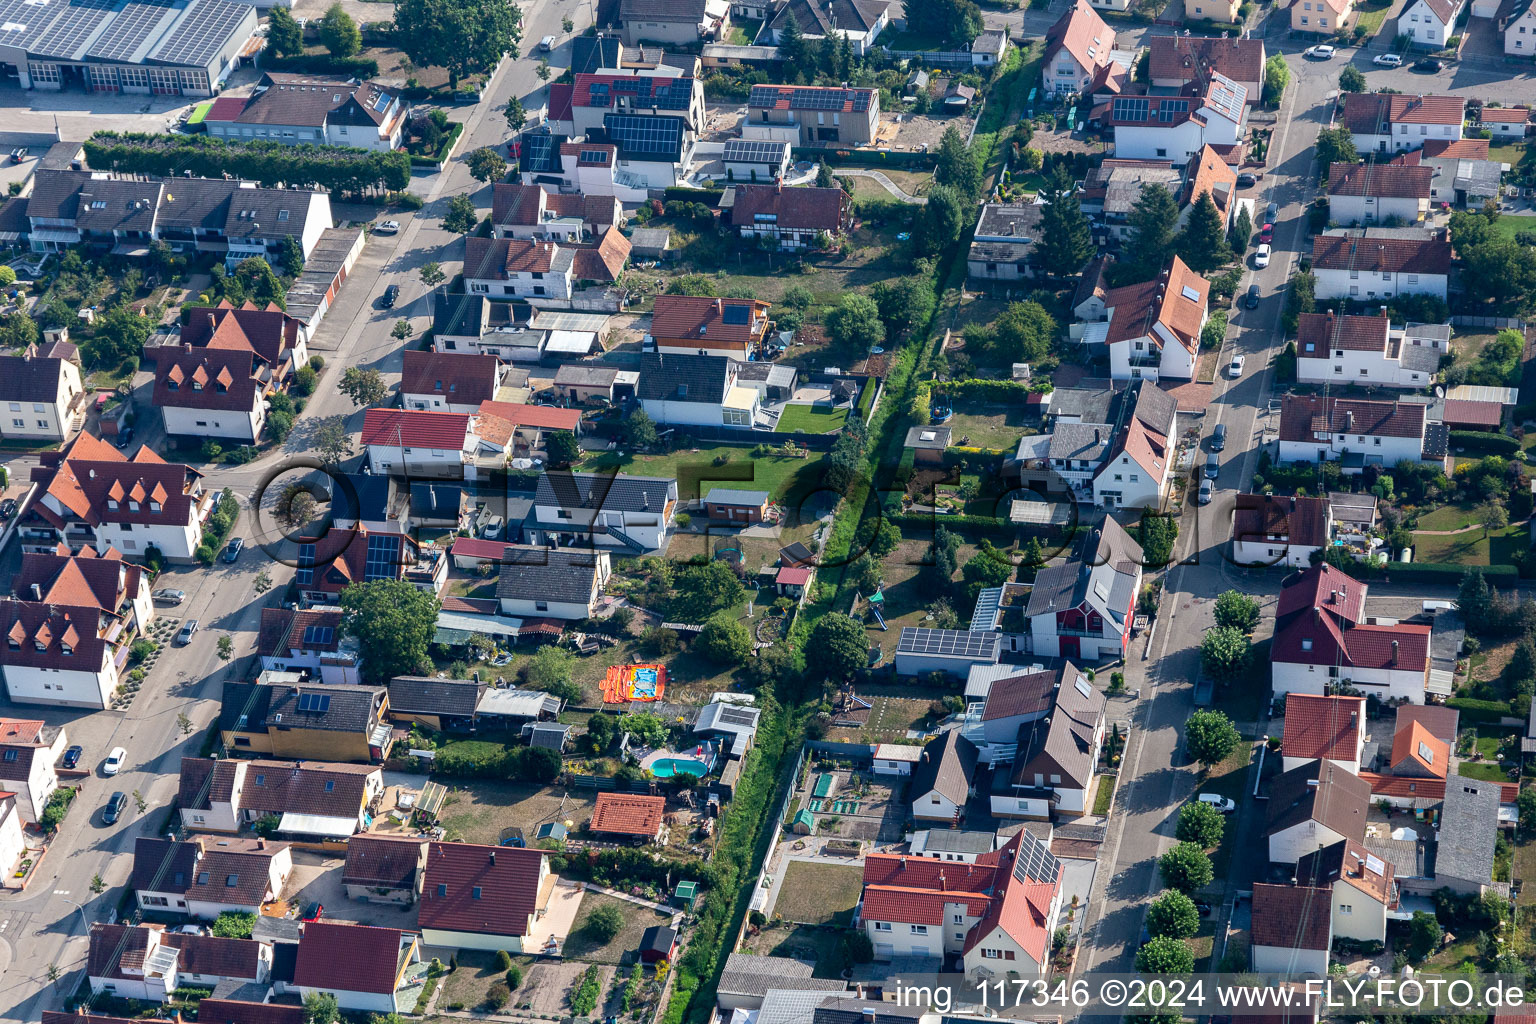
{"points": [[1097, 438], [904, 859], [261, 844], [869, 1015], [1394, 652], [493, 858], [1333, 597], [719, 307], [37, 591], [1349, 420]]}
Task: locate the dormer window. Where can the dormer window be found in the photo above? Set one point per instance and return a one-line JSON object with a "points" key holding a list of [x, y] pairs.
{"points": [[133, 506], [172, 385], [39, 645], [221, 388], [13, 645], [112, 504], [154, 506], [196, 386], [66, 648]]}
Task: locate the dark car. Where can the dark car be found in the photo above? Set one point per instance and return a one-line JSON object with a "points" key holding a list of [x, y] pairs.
{"points": [[1219, 437], [314, 911], [114, 808], [390, 295], [7, 508], [72, 756], [1202, 908], [1212, 467], [124, 437], [232, 551], [1252, 301], [1428, 64], [1247, 180]]}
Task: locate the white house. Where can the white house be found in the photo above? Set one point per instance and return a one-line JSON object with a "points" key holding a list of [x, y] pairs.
{"points": [[362, 967], [554, 583], [1108, 445], [1330, 728], [312, 110], [1430, 23], [448, 381], [149, 962], [1359, 432], [1292, 929], [1383, 122], [410, 442], [1083, 608], [484, 897], [1056, 756], [588, 168], [309, 640], [1076, 47], [41, 397], [896, 758], [208, 875], [1378, 263], [1181, 61], [1137, 465], [1520, 31], [684, 22], [1270, 529], [1313, 806], [1323, 640], [599, 510], [1378, 193], [1365, 891], [1341, 348], [1003, 245], [1175, 128], [517, 268], [1152, 328], [941, 780], [13, 843], [696, 390], [28, 752], [861, 21], [206, 392]]}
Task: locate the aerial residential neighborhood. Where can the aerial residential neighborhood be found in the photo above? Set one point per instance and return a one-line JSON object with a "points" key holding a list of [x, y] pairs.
{"points": [[662, 511]]}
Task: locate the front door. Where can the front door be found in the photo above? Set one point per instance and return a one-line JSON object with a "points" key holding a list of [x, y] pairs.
{"points": [[1071, 647]]}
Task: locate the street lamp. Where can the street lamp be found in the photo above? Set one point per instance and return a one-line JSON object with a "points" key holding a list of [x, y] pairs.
{"points": [[80, 907]]}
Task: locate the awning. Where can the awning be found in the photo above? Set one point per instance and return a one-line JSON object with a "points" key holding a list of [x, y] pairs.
{"points": [[317, 825], [1439, 682]]}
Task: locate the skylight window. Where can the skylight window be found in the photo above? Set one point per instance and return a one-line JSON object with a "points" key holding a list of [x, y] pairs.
{"points": [[1190, 294]]}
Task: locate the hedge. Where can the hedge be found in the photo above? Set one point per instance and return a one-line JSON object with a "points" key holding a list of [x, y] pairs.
{"points": [[1486, 711], [325, 64], [709, 196], [932, 521], [1484, 441], [443, 150], [270, 164], [1446, 572], [471, 759]]}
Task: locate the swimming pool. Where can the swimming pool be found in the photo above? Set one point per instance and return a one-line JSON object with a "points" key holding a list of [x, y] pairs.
{"points": [[666, 767]]}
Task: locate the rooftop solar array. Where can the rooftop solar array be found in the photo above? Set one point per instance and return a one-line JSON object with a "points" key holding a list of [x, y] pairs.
{"points": [[73, 28], [1035, 863], [737, 316], [381, 558], [318, 636], [756, 151], [1172, 110], [662, 93], [733, 715], [22, 23], [131, 29], [954, 642], [639, 136], [201, 33], [319, 703], [541, 153], [810, 97], [1131, 108], [306, 570]]}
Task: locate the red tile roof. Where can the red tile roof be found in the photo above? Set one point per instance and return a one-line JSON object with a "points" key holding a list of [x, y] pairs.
{"points": [[1381, 255], [496, 258], [1413, 742], [268, 332], [1505, 115], [517, 204], [628, 814], [83, 478], [1461, 149], [475, 547], [381, 860], [1318, 622], [1083, 34], [1193, 58], [221, 380], [794, 576], [1441, 721], [1165, 300], [286, 629], [1292, 916], [1326, 727], [416, 428], [1479, 415], [236, 1011], [689, 319], [1302, 417], [544, 417], [560, 101], [602, 261], [348, 958], [1301, 521], [1385, 181], [44, 632], [807, 208], [1317, 334], [483, 889], [83, 580], [461, 378], [1375, 113], [1428, 790], [341, 557]]}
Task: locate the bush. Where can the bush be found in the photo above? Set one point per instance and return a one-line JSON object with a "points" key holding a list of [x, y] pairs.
{"points": [[1484, 443], [233, 924], [304, 380], [514, 977], [503, 960], [56, 807], [317, 363], [604, 922], [497, 996]]}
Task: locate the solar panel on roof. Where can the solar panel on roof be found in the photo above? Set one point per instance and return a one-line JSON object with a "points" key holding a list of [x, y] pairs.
{"points": [[318, 636], [132, 26], [317, 703], [737, 716], [753, 151], [306, 571], [1131, 108], [1035, 863], [539, 153], [1171, 110], [381, 561], [737, 316], [645, 136], [954, 642], [69, 33], [204, 30]]}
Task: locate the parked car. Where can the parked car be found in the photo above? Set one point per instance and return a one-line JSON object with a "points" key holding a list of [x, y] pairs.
{"points": [[1203, 496], [170, 595], [492, 528], [1322, 51], [1252, 301], [72, 756], [387, 227], [1388, 60], [18, 154], [1212, 467], [7, 508], [233, 548], [1235, 367], [1247, 180], [1202, 908], [1216, 800], [1219, 437], [1267, 234], [314, 910], [1429, 64], [114, 809], [1261, 256], [114, 762], [391, 294], [124, 437], [1271, 213], [185, 636], [546, 44]]}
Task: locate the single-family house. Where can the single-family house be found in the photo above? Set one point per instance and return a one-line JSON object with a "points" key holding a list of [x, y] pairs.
{"points": [[308, 640], [809, 115], [1003, 246], [410, 442], [205, 876], [1322, 17], [1430, 24], [603, 511], [29, 750], [1369, 193], [1420, 749], [1180, 61], [484, 897], [941, 781], [556, 583], [695, 390], [1055, 757], [1373, 264], [795, 218], [519, 268], [1313, 806], [1292, 929], [309, 798], [532, 212], [284, 716], [315, 110], [1359, 432], [448, 381], [1152, 328], [1341, 348], [631, 816], [696, 325], [331, 563], [443, 705], [673, 21], [756, 160], [360, 966], [42, 398], [1519, 28], [1277, 529], [1083, 609], [1330, 728], [860, 21], [384, 868], [1365, 891], [1076, 47], [1174, 128], [1391, 122]]}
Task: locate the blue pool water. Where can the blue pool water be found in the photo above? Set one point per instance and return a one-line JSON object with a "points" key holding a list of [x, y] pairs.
{"points": [[667, 767]]}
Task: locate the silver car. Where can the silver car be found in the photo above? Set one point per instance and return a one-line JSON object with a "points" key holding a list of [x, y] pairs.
{"points": [[170, 595]]}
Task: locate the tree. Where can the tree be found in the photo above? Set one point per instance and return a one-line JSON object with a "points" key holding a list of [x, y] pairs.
{"points": [[877, 536], [1210, 735], [226, 648], [1424, 936], [1238, 610], [1156, 534], [393, 622], [604, 922], [295, 507], [696, 285], [837, 647], [515, 114], [549, 668], [1277, 75], [988, 567], [1186, 868], [1025, 332], [1526, 803], [363, 386], [725, 640], [1242, 231], [1153, 220], [332, 441], [824, 176], [119, 338], [865, 573], [1224, 654], [18, 330], [485, 164], [461, 217], [703, 590], [1164, 954], [1493, 516], [640, 430], [284, 37], [339, 33], [1201, 824], [855, 324], [566, 24], [320, 1008], [463, 37], [946, 21], [401, 330], [1351, 79], [431, 274], [233, 924], [942, 219], [1474, 599], [1203, 242], [98, 884], [1174, 915], [542, 70], [957, 166], [1066, 237], [562, 448], [1335, 146], [1500, 269], [293, 256], [792, 45], [905, 304]]}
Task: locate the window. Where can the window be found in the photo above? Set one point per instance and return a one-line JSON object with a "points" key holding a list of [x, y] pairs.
{"points": [[997, 954], [542, 606], [156, 901], [882, 926], [918, 929], [1162, 152], [474, 893], [1345, 908], [330, 785], [442, 890]]}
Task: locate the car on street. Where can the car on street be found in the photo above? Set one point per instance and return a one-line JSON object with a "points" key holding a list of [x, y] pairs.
{"points": [[170, 595], [114, 809], [1271, 212], [387, 227], [233, 549], [1216, 800], [1261, 256], [1212, 467], [492, 528], [515, 149], [391, 294], [1252, 301], [1202, 908], [114, 762], [1388, 60], [1322, 51], [1429, 64], [7, 508], [1235, 367], [546, 44], [185, 636], [1203, 496], [72, 756], [1219, 437], [1267, 233], [1247, 180]]}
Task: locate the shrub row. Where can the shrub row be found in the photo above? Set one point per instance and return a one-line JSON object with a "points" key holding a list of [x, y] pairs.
{"points": [[1446, 572], [475, 759], [1483, 441], [1488, 712], [270, 164]]}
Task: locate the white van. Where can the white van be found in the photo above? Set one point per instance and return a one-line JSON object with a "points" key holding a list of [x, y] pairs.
{"points": [[546, 44]]}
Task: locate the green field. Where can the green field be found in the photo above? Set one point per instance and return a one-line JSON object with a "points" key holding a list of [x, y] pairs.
{"points": [[811, 420], [1510, 225], [778, 474]]}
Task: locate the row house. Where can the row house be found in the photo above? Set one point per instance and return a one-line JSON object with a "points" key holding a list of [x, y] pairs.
{"points": [[206, 876], [308, 640], [1392, 122], [150, 962], [1175, 128], [29, 750], [235, 219], [70, 626], [1180, 61], [532, 212], [309, 798], [996, 915], [91, 493], [1151, 329], [1323, 727], [519, 268], [1083, 609], [455, 382], [795, 218], [1359, 432], [42, 397], [1373, 264], [1367, 350], [1077, 47], [312, 110], [329, 564], [810, 115], [697, 325], [1324, 642], [1368, 193]]}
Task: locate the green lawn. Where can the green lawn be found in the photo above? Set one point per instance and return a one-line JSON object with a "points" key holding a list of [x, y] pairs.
{"points": [[695, 470], [1507, 152], [743, 32], [1472, 548], [1371, 15], [1104, 795], [819, 893], [1448, 517], [1481, 770], [1509, 225], [988, 427], [810, 419]]}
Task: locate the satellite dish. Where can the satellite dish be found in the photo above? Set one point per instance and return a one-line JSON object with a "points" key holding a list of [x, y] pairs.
{"points": [[1439, 390]]}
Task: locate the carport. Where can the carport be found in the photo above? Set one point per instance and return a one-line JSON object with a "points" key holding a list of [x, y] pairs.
{"points": [[323, 825]]}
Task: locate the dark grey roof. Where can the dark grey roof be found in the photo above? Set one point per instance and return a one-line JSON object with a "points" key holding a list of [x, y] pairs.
{"points": [[949, 840], [823, 18], [658, 939], [736, 496], [1419, 357], [117, 204], [688, 11], [547, 735], [588, 53], [853, 1010], [360, 496], [436, 499], [614, 493], [946, 767], [588, 375], [931, 438], [35, 379], [749, 975], [1104, 567], [1469, 828], [1083, 441], [252, 707], [55, 194], [546, 574], [459, 315], [429, 695], [162, 865]]}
